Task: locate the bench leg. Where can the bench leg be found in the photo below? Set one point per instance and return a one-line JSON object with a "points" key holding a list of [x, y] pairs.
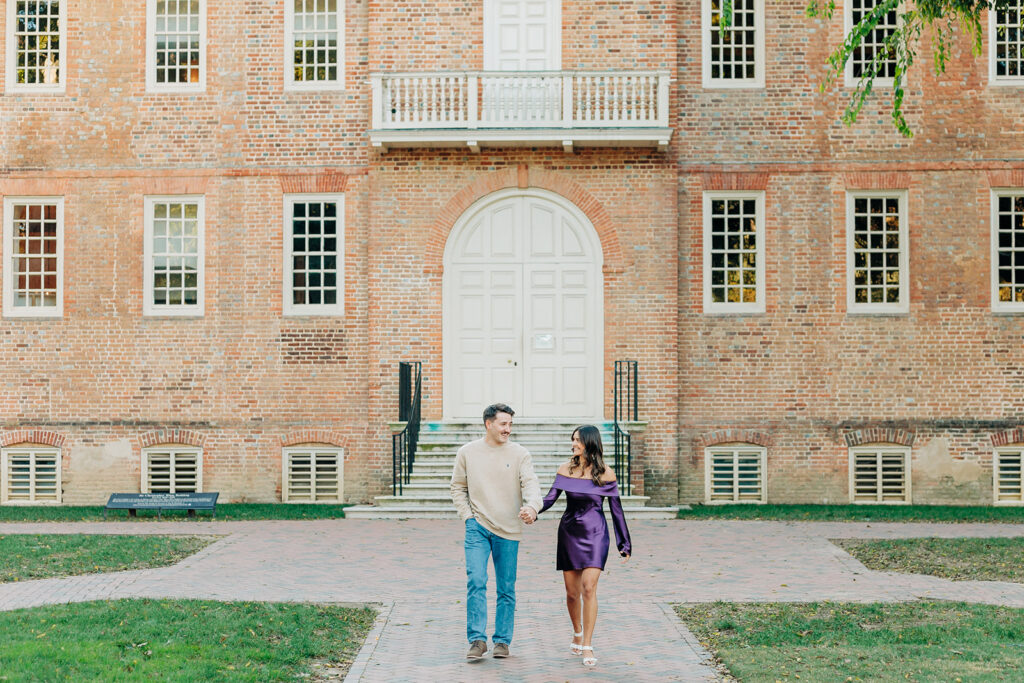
{"points": [[132, 513], [191, 513]]}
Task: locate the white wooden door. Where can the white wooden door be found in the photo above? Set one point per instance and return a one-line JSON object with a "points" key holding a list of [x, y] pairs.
{"points": [[522, 35]]}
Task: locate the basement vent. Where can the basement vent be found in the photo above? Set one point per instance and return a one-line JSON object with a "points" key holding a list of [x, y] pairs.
{"points": [[880, 474], [313, 475], [735, 474], [172, 470], [30, 475], [1009, 476]]}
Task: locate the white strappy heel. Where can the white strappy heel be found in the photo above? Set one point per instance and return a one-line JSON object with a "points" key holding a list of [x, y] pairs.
{"points": [[573, 647], [588, 661]]}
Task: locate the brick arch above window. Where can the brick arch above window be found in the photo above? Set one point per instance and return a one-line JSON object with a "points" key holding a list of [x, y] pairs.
{"points": [[41, 437], [524, 177], [1008, 437], [330, 182], [890, 435], [735, 435], [1006, 178], [307, 436], [184, 437]]}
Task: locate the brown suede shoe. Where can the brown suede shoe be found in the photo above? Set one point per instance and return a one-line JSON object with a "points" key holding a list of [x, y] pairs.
{"points": [[477, 649], [500, 651]]}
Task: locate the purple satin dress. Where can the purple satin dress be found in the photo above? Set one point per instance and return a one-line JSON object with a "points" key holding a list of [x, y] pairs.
{"points": [[583, 531]]}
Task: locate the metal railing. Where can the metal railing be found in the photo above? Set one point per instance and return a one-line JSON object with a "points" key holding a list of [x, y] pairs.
{"points": [[403, 443], [625, 410]]}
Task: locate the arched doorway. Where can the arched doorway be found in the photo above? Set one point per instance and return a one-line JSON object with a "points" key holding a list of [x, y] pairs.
{"points": [[523, 308]]}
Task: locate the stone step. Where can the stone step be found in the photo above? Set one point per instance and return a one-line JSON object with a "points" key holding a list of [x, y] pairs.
{"points": [[434, 497], [448, 512]]}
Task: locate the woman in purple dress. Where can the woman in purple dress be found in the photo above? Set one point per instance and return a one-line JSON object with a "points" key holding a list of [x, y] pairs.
{"points": [[583, 532]]}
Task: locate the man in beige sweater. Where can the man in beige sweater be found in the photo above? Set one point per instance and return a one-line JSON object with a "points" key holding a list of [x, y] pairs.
{"points": [[492, 484]]}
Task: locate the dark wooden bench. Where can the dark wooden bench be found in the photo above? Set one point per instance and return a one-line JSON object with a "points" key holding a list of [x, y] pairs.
{"points": [[133, 502]]}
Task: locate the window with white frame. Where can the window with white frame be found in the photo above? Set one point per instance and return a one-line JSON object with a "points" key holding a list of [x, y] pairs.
{"points": [[36, 45], [314, 44], [734, 252], [1006, 44], [33, 257], [1008, 475], [872, 45], [30, 475], [314, 248], [313, 474], [175, 45], [173, 256], [735, 57], [735, 474], [1007, 250], [880, 473], [172, 469], [877, 253]]}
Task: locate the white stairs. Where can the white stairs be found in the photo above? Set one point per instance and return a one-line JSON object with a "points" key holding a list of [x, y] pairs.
{"points": [[427, 495]]}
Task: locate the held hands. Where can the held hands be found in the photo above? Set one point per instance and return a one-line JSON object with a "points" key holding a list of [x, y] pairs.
{"points": [[527, 514], [625, 557]]}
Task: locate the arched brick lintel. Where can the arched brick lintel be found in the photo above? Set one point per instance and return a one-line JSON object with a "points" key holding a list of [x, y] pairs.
{"points": [[300, 436], [735, 435], [859, 437], [1008, 436], [187, 437], [37, 436], [524, 177]]}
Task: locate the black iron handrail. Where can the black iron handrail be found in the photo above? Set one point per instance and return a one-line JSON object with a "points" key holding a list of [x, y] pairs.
{"points": [[403, 443], [625, 410]]}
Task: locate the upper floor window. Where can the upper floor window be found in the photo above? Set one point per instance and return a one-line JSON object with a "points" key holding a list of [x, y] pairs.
{"points": [[1006, 44], [734, 252], [173, 254], [314, 44], [736, 57], [36, 45], [876, 252], [314, 249], [1007, 251], [175, 45], [872, 45], [33, 257]]}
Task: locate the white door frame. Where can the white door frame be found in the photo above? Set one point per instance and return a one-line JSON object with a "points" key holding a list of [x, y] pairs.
{"points": [[450, 322]]}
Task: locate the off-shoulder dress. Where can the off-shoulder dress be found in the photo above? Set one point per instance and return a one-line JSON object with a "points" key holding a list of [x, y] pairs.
{"points": [[583, 532]]}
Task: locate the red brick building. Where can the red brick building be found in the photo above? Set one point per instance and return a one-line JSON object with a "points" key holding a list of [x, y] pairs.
{"points": [[226, 222]]}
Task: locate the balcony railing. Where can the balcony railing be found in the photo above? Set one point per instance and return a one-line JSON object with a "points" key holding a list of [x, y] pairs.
{"points": [[504, 107]]}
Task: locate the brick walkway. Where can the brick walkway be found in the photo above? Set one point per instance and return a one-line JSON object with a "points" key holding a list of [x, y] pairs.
{"points": [[414, 570]]}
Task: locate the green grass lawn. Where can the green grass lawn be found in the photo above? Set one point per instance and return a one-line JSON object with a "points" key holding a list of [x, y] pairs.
{"points": [[180, 640], [41, 556], [916, 641], [229, 512], [858, 513], [960, 559]]}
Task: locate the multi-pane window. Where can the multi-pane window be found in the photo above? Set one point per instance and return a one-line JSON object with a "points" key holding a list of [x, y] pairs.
{"points": [[734, 252], [33, 257], [880, 474], [877, 252], [35, 45], [176, 45], [872, 46], [30, 475], [735, 474], [314, 45], [312, 474], [1006, 43], [734, 57], [314, 250], [1008, 475], [1008, 251], [172, 469], [173, 256]]}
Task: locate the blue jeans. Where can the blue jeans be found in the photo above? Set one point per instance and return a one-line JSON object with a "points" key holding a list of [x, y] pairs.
{"points": [[481, 543]]}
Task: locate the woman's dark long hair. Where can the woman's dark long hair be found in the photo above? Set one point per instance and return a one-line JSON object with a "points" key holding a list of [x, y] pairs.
{"points": [[590, 437]]}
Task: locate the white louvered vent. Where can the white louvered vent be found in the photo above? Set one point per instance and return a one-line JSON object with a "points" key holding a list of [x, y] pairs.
{"points": [[735, 474], [880, 474], [172, 470], [313, 475], [31, 475], [1008, 473]]}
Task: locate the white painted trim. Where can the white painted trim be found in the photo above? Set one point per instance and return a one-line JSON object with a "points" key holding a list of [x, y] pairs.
{"points": [[313, 450], [997, 305], [1012, 450], [993, 79], [177, 310], [290, 83], [34, 451], [758, 81], [287, 307], [174, 450], [151, 85], [11, 78], [854, 451], [491, 39], [522, 137], [732, 450], [9, 309], [849, 80], [727, 308], [903, 306]]}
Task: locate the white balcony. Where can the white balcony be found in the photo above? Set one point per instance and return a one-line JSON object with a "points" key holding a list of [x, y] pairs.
{"points": [[532, 108]]}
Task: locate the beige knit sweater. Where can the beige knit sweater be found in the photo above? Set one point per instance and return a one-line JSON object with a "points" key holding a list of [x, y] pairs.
{"points": [[491, 483]]}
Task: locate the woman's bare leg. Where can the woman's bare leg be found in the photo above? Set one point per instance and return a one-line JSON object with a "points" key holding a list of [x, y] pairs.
{"points": [[574, 601], [589, 578]]}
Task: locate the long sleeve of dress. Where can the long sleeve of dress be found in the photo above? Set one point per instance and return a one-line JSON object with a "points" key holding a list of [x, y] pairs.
{"points": [[619, 522], [550, 499]]}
